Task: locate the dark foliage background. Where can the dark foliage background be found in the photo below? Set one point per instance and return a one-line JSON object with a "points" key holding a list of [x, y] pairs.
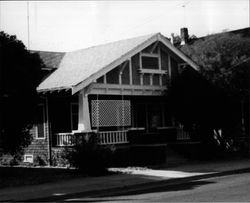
{"points": [[218, 96], [20, 73]]}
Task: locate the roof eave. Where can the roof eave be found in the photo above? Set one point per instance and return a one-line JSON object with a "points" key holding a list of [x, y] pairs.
{"points": [[56, 89]]}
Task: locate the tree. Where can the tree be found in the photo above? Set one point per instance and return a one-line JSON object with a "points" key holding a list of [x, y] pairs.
{"points": [[20, 73], [224, 60]]}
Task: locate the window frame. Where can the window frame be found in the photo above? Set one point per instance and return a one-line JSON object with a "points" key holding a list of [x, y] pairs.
{"points": [[71, 115], [44, 119], [25, 160], [151, 71], [149, 55]]}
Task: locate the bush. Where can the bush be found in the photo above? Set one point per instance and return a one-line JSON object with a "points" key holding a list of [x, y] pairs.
{"points": [[39, 161], [60, 157], [88, 156]]}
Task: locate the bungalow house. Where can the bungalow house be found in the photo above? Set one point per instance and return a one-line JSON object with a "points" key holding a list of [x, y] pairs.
{"points": [[111, 89]]}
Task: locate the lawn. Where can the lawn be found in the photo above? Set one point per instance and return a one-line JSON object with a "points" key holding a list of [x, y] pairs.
{"points": [[19, 176]]}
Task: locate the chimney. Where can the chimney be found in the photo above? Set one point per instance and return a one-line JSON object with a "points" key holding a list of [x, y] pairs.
{"points": [[184, 36]]}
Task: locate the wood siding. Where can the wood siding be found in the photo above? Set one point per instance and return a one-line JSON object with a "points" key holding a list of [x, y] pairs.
{"points": [[38, 147]]}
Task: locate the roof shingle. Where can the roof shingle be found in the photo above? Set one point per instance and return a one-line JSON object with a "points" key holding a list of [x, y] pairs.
{"points": [[79, 65]]}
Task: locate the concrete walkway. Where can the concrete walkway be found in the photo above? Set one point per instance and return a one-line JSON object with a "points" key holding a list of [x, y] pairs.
{"points": [[128, 178]]}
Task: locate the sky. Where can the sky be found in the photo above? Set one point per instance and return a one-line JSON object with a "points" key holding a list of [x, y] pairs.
{"points": [[72, 25]]}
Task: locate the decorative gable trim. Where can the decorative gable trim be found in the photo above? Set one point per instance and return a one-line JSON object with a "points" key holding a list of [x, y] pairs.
{"points": [[155, 38], [168, 44]]}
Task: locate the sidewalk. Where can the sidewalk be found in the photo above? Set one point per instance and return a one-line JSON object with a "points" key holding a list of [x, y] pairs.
{"points": [[129, 178]]}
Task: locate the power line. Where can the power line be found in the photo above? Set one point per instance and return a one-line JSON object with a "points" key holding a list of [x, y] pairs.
{"points": [[149, 19]]}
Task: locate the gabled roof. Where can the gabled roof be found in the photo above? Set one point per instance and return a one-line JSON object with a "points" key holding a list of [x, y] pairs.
{"points": [[79, 68]]}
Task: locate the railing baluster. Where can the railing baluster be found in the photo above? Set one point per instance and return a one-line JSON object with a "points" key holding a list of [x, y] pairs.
{"points": [[121, 137], [61, 141], [105, 137], [118, 137], [113, 138], [125, 136], [110, 137]]}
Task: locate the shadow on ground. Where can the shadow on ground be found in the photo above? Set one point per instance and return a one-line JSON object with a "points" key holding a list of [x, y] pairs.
{"points": [[108, 195], [165, 188]]}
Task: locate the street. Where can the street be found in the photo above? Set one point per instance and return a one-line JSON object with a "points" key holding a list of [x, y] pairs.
{"points": [[231, 188]]}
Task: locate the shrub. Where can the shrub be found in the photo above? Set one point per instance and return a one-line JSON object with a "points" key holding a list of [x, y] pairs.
{"points": [[88, 156], [39, 161], [13, 162], [60, 157]]}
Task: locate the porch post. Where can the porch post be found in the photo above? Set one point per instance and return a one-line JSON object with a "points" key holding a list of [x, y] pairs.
{"points": [[48, 131], [83, 111]]}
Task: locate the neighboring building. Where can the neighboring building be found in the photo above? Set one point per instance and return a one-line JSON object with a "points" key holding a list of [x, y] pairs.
{"points": [[111, 89]]}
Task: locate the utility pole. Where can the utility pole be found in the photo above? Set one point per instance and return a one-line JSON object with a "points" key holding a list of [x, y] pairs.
{"points": [[28, 26], [184, 13]]}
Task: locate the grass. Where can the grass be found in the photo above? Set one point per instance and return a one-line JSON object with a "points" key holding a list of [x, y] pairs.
{"points": [[20, 176]]}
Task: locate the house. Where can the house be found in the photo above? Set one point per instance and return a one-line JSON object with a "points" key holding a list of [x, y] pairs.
{"points": [[111, 89]]}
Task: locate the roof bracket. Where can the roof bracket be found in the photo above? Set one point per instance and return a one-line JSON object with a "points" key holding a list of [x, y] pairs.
{"points": [[122, 67], [154, 47]]}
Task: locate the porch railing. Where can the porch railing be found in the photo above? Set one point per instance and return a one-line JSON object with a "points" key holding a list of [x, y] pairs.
{"points": [[64, 139], [113, 137], [181, 134], [105, 137]]}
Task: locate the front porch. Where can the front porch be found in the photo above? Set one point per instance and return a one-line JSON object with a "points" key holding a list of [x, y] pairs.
{"points": [[115, 119], [129, 136]]}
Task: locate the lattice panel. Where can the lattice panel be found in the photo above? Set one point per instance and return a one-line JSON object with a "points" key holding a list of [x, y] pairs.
{"points": [[109, 113]]}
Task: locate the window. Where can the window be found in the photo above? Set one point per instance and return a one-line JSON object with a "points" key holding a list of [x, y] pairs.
{"points": [[28, 158], [149, 62], [74, 116], [40, 122]]}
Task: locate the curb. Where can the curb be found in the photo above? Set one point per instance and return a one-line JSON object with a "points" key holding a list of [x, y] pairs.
{"points": [[137, 187]]}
